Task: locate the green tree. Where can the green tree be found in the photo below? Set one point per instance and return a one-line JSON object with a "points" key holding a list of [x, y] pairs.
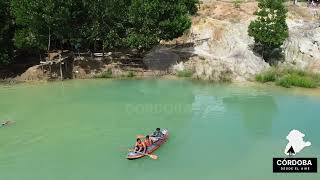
{"points": [[192, 6], [112, 24], [269, 30], [44, 23], [6, 32], [155, 20], [108, 20]]}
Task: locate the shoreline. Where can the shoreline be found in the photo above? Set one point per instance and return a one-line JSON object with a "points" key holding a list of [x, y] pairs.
{"points": [[253, 84]]}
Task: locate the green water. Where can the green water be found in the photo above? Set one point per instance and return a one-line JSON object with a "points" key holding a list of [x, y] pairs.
{"points": [[81, 130]]}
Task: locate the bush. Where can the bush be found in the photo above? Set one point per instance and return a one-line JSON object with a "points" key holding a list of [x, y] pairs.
{"points": [[290, 77], [296, 80], [225, 76], [105, 74], [184, 73], [130, 74], [268, 76], [237, 3]]}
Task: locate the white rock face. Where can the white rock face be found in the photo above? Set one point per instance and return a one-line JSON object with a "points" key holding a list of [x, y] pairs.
{"points": [[222, 46], [178, 67], [224, 52], [302, 48]]}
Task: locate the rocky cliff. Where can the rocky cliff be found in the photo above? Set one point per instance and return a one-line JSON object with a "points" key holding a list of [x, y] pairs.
{"points": [[221, 45]]}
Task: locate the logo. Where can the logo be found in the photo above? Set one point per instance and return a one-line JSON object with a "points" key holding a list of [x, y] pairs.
{"points": [[296, 143], [295, 165]]}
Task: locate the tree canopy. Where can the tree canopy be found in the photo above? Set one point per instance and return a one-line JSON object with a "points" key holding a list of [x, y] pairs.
{"points": [[6, 32], [155, 20], [50, 24]]}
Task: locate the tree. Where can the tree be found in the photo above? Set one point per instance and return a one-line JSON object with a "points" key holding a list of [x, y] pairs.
{"points": [[269, 30], [112, 24], [6, 33], [108, 20], [192, 6], [155, 20], [42, 23]]}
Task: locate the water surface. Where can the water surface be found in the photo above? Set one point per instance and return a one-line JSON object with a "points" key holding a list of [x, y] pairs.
{"points": [[80, 130]]}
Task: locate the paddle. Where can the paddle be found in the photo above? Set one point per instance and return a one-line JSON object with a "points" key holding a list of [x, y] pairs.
{"points": [[152, 156], [140, 136]]}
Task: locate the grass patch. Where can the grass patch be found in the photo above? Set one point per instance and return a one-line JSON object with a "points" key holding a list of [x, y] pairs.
{"points": [[290, 77], [225, 76], [296, 80], [268, 76], [130, 74], [184, 73], [105, 74]]}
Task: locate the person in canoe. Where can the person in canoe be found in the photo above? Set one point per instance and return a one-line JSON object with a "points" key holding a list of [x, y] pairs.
{"points": [[140, 146], [148, 142], [156, 135]]}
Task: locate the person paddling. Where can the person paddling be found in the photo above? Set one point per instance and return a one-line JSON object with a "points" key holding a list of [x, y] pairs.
{"points": [[148, 142], [140, 146], [157, 135]]}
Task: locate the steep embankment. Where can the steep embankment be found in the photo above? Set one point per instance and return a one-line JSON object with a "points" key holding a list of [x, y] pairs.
{"points": [[222, 46], [302, 48]]}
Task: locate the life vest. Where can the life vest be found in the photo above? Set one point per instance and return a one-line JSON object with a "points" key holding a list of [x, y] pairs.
{"points": [[148, 142], [140, 145]]}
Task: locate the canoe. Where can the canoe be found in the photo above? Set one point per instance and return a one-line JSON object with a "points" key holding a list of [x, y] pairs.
{"points": [[136, 155]]}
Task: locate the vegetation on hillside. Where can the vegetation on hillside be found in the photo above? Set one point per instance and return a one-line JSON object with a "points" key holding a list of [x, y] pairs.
{"points": [[290, 77], [184, 73], [270, 29], [6, 32], [105, 74], [95, 25]]}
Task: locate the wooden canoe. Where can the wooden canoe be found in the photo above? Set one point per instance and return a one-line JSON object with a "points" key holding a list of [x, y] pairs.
{"points": [[136, 155]]}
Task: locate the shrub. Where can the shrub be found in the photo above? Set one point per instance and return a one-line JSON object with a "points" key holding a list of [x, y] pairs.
{"points": [[225, 76], [237, 3], [130, 74], [268, 76], [290, 77], [184, 73], [105, 74], [296, 80]]}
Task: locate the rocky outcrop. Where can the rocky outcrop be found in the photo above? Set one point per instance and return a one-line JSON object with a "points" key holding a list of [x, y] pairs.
{"points": [[221, 45], [227, 50], [302, 48]]}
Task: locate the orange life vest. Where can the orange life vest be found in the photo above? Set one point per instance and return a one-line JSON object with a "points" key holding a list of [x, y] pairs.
{"points": [[140, 145], [148, 142]]}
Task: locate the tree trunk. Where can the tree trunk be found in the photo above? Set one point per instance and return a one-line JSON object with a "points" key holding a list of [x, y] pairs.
{"points": [[103, 50], [49, 40]]}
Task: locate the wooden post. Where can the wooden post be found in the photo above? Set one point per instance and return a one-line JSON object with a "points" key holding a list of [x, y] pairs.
{"points": [[66, 67], [61, 72], [50, 70], [60, 67]]}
